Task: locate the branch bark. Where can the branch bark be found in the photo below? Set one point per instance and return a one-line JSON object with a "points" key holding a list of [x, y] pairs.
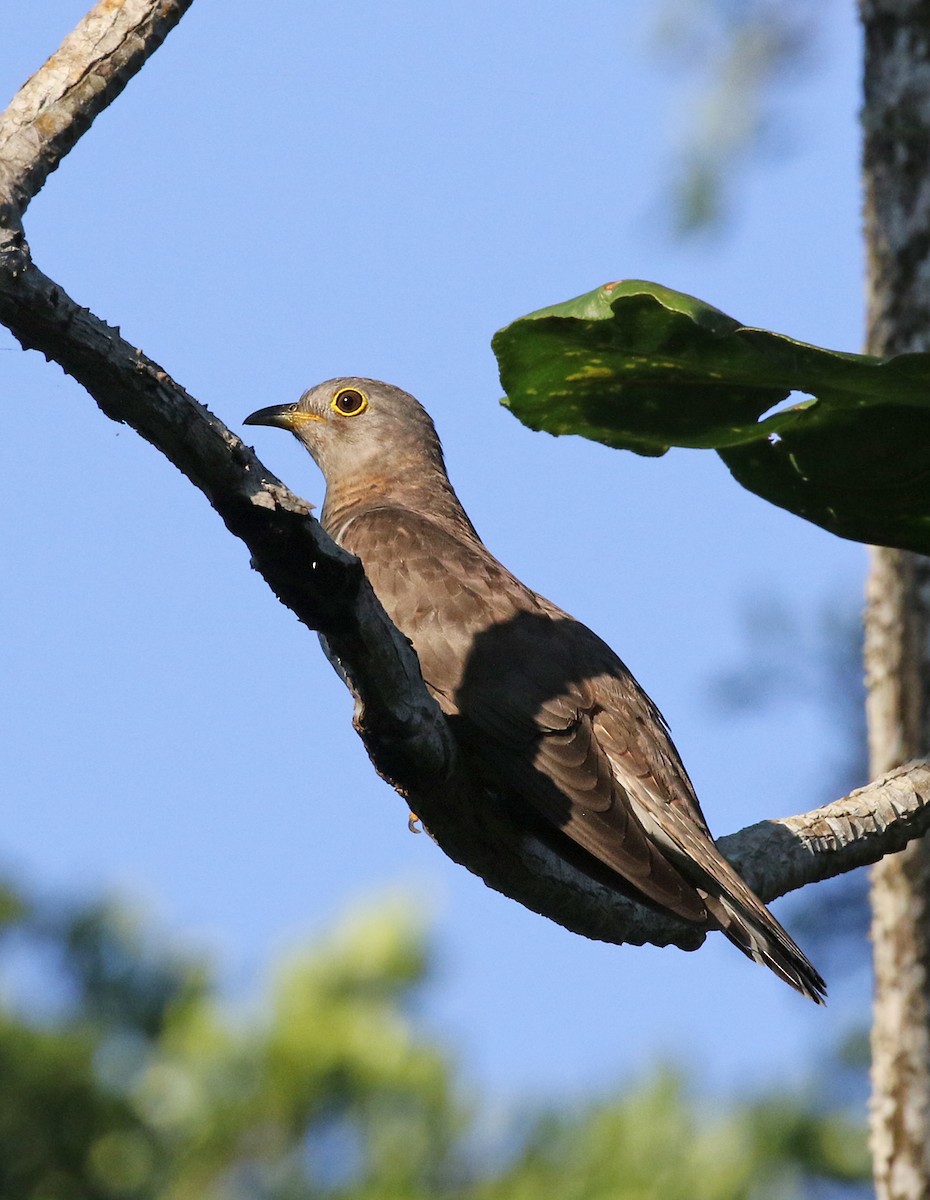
{"points": [[87, 72], [403, 729]]}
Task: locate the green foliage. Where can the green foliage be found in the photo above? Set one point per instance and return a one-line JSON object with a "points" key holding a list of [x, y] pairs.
{"points": [[732, 61], [145, 1086], [652, 1144], [641, 367], [55, 1121], [139, 1084]]}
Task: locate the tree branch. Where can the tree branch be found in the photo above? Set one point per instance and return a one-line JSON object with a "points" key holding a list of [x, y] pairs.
{"points": [[87, 72], [405, 734]]}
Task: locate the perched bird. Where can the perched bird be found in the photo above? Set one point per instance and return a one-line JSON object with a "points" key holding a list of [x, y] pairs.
{"points": [[541, 707]]}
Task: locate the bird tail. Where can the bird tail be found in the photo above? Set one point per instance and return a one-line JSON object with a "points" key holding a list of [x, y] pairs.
{"points": [[752, 928], [733, 907]]}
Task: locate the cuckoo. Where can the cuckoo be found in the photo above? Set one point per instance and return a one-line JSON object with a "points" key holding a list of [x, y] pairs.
{"points": [[542, 709]]}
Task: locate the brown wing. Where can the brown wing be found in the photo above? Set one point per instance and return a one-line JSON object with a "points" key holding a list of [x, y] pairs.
{"points": [[521, 681], [642, 794], [552, 717]]}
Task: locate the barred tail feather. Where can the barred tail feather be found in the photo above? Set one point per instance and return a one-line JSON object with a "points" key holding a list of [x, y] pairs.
{"points": [[761, 938]]}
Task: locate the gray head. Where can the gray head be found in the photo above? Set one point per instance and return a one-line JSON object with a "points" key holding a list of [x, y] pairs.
{"points": [[359, 430]]}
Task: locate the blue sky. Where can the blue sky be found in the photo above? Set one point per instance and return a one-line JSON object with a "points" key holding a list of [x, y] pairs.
{"points": [[277, 199]]}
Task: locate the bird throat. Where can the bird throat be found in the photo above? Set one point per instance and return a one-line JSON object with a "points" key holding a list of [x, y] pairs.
{"points": [[423, 491]]}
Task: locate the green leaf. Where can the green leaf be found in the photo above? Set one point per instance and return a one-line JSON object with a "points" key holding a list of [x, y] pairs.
{"points": [[640, 367]]}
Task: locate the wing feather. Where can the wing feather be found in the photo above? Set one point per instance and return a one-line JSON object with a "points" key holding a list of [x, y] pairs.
{"points": [[553, 721], [521, 693]]}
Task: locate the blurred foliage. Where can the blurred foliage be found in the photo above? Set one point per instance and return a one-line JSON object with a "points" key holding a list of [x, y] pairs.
{"points": [[123, 1076], [736, 60], [655, 1142]]}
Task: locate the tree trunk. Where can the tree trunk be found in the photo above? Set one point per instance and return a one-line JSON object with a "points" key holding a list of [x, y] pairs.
{"points": [[896, 124], [897, 627]]}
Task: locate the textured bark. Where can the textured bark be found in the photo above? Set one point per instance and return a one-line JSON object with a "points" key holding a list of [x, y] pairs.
{"points": [[897, 627], [86, 73], [403, 729], [896, 121]]}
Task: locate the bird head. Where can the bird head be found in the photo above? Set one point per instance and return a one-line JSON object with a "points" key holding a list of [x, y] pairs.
{"points": [[359, 427]]}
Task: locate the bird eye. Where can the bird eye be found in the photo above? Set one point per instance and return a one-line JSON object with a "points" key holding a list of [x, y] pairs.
{"points": [[349, 402]]}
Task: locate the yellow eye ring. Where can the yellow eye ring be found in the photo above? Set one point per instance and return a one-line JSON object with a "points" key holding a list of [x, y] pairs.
{"points": [[349, 402]]}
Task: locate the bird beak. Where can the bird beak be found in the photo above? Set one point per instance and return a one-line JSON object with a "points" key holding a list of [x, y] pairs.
{"points": [[282, 416]]}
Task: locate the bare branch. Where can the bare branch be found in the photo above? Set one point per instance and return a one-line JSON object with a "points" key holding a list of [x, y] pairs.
{"points": [[308, 572], [779, 856], [89, 70], [404, 732]]}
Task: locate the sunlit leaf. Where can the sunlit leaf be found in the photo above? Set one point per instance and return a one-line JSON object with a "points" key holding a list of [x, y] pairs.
{"points": [[640, 367]]}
